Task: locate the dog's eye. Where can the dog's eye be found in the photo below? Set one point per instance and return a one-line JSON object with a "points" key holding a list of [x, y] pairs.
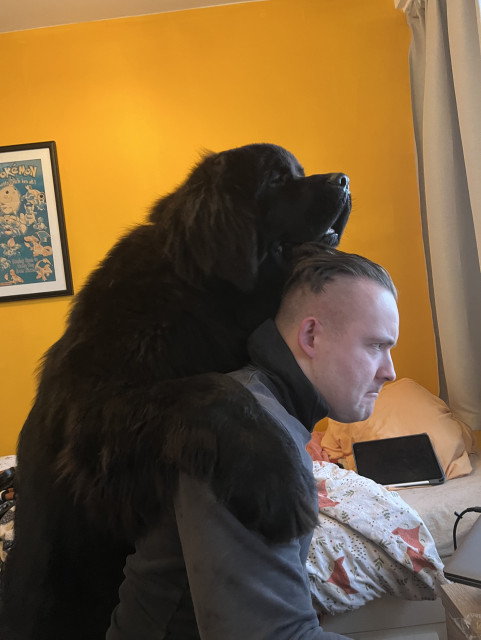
{"points": [[277, 179]]}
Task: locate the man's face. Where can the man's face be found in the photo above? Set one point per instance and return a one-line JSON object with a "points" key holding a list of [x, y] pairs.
{"points": [[358, 326]]}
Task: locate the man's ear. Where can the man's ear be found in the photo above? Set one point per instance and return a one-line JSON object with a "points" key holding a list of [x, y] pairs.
{"points": [[309, 328]]}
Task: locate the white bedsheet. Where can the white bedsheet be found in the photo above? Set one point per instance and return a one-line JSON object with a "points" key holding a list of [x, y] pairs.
{"points": [[436, 506], [7, 461]]}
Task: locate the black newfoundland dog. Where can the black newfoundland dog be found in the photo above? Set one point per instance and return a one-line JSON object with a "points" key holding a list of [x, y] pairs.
{"points": [[125, 397]]}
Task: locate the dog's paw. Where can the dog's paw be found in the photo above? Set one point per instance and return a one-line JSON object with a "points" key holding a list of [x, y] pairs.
{"points": [[252, 465]]}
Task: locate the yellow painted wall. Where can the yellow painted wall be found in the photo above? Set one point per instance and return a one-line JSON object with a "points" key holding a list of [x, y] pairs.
{"points": [[132, 102]]}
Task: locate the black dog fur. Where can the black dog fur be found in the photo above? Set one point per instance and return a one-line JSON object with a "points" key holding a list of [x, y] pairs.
{"points": [[125, 399]]}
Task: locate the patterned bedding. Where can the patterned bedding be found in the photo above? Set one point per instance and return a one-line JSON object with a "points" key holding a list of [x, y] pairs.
{"points": [[368, 543], [7, 505]]}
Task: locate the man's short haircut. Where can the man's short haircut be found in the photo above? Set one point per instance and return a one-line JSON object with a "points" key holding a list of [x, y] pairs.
{"points": [[316, 264]]}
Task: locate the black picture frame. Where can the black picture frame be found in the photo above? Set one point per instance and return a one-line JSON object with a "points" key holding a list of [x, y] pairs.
{"points": [[34, 258]]}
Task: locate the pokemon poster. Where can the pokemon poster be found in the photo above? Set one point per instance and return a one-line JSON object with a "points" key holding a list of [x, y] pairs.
{"points": [[31, 252]]}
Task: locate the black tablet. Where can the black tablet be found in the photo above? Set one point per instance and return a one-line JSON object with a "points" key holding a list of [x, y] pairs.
{"points": [[401, 461]]}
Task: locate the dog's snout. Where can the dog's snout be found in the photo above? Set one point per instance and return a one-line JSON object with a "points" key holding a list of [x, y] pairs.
{"points": [[339, 180]]}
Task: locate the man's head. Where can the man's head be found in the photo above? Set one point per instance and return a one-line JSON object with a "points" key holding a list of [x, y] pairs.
{"points": [[340, 319]]}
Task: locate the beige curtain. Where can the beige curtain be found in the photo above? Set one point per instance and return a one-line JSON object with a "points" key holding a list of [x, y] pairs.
{"points": [[445, 67]]}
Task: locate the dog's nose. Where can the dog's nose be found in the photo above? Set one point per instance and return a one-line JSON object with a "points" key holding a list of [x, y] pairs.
{"points": [[339, 180]]}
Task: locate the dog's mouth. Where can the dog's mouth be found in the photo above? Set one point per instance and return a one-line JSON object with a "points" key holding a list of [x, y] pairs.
{"points": [[330, 238], [283, 249]]}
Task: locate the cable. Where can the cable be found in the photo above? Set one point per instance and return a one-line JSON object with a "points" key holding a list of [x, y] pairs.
{"points": [[459, 516]]}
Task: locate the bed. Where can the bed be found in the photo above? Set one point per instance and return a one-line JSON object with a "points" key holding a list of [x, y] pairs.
{"points": [[376, 560], [392, 616], [404, 602]]}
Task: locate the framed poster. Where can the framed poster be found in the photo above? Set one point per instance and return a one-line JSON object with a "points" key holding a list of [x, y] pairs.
{"points": [[34, 261]]}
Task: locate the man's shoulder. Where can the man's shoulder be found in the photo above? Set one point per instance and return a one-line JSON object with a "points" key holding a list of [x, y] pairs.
{"points": [[255, 380], [259, 384]]}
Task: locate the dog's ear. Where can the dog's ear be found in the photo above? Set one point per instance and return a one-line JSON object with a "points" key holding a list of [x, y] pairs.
{"points": [[236, 259], [209, 224]]}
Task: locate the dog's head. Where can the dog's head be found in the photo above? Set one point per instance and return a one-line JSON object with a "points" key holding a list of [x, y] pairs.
{"points": [[244, 207]]}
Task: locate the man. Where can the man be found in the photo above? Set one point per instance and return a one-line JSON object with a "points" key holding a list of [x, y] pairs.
{"points": [[200, 573]]}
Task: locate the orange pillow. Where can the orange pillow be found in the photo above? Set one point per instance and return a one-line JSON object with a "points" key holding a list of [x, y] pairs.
{"points": [[405, 407]]}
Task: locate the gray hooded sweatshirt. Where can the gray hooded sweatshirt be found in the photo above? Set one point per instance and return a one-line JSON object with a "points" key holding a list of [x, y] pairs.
{"points": [[200, 573]]}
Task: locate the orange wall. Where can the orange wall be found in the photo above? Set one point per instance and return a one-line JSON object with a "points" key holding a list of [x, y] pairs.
{"points": [[132, 102]]}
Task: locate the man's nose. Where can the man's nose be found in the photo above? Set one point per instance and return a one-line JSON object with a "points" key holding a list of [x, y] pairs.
{"points": [[388, 372]]}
